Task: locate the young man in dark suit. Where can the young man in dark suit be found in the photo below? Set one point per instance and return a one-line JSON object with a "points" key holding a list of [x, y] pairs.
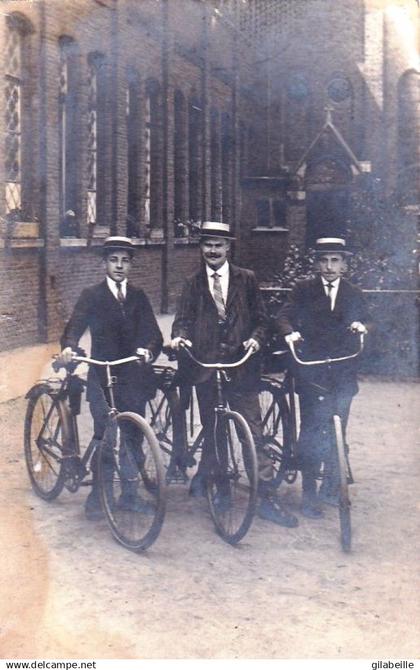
{"points": [[321, 315], [221, 314], [121, 323]]}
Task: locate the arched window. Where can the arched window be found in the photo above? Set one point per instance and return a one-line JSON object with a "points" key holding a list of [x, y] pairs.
{"points": [[153, 157], [17, 147], [68, 128], [96, 138], [133, 153], [180, 164]]}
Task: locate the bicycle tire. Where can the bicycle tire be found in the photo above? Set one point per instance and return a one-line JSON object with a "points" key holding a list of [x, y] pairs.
{"points": [[46, 431], [160, 411], [344, 499], [233, 478], [132, 481], [277, 436]]}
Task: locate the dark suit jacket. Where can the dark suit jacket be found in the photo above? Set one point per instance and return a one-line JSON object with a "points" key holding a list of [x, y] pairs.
{"points": [[325, 332], [116, 333], [197, 320]]}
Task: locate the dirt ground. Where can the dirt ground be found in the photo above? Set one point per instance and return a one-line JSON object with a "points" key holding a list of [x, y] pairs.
{"points": [[68, 590]]}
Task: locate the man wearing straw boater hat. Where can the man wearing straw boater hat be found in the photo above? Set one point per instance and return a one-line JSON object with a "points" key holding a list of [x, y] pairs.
{"points": [[221, 314], [121, 323], [321, 315]]}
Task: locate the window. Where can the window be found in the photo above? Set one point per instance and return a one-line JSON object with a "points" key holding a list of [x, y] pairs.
{"points": [[227, 159], [216, 166], [133, 153], [68, 138], [180, 164], [17, 118], [96, 139], [153, 157], [195, 163]]}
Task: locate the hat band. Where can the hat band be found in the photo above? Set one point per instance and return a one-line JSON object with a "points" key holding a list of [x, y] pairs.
{"points": [[331, 240]]}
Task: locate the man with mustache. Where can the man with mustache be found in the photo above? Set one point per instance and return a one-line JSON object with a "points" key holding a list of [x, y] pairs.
{"points": [[321, 315], [121, 323], [221, 314]]}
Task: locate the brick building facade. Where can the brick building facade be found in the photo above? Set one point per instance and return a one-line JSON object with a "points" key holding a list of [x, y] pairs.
{"points": [[145, 117]]}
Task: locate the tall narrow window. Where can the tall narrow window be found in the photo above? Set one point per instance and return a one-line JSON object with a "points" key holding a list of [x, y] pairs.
{"points": [[13, 117], [133, 153], [96, 140], [180, 165], [195, 162], [216, 166], [92, 145], [227, 148], [68, 138], [153, 158]]}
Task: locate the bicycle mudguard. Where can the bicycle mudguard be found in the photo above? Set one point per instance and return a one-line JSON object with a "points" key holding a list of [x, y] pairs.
{"points": [[34, 389]]}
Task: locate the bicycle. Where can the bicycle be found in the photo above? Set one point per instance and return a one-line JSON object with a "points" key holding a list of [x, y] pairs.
{"points": [[130, 469], [344, 471], [232, 482], [279, 424]]}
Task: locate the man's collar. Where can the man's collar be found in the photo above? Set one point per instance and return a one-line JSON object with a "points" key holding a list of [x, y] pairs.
{"points": [[334, 283], [112, 284], [223, 270]]}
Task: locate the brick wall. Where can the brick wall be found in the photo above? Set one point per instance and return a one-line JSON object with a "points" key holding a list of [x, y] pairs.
{"points": [[258, 85]]}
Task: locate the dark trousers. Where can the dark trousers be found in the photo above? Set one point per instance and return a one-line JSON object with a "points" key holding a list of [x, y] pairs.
{"points": [[127, 399], [316, 444], [247, 404]]}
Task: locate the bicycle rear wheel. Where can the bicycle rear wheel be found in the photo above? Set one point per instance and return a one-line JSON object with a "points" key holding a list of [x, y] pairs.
{"points": [[132, 481], [232, 485], [344, 499], [277, 435], [46, 433]]}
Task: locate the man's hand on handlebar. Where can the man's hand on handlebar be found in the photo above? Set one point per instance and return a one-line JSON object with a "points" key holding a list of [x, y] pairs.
{"points": [[145, 354], [358, 327], [178, 342], [295, 336], [251, 344], [65, 357]]}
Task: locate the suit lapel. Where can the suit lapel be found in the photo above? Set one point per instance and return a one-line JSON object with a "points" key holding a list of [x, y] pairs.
{"points": [[234, 282]]}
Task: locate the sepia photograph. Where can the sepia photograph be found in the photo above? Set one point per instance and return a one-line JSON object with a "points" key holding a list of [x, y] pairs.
{"points": [[209, 332]]}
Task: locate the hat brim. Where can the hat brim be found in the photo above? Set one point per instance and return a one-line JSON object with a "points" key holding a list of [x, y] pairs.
{"points": [[217, 233]]}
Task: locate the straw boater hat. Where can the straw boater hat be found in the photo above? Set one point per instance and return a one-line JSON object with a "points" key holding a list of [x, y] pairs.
{"points": [[119, 243], [216, 229], [331, 244]]}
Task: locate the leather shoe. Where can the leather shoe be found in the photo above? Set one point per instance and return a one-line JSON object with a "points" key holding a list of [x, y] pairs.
{"points": [[310, 507], [198, 487], [93, 506], [222, 502], [272, 510], [134, 503]]}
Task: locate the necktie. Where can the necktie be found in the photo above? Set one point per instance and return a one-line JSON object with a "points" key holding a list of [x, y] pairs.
{"points": [[329, 286], [120, 294], [218, 296]]}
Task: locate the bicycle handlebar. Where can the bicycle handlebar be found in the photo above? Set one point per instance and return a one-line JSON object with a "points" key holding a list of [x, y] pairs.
{"points": [[92, 361], [218, 366], [327, 360]]}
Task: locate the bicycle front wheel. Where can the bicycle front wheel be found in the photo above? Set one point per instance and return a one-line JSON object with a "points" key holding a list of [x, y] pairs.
{"points": [[45, 434], [232, 485], [344, 499], [132, 481]]}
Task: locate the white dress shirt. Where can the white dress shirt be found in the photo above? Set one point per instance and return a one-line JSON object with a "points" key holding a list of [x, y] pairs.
{"points": [[112, 285], [334, 290], [223, 273]]}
